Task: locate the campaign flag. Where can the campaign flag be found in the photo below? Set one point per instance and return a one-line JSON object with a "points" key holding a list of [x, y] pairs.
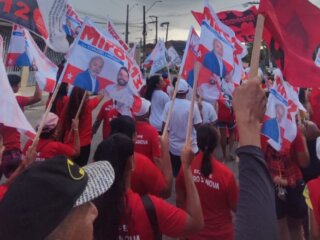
{"points": [[220, 53], [73, 22], [242, 23], [11, 114], [174, 58], [23, 51], [190, 56], [95, 63], [293, 39], [43, 17], [159, 59], [114, 33], [132, 51], [317, 58], [279, 124], [198, 16]]}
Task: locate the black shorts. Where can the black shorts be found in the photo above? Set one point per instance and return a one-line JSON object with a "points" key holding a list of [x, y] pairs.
{"points": [[294, 205]]}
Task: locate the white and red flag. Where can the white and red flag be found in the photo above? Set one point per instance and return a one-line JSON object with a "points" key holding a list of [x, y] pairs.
{"points": [[279, 124], [114, 33], [189, 57], [174, 58], [158, 57], [73, 22], [11, 114], [96, 63], [23, 51]]}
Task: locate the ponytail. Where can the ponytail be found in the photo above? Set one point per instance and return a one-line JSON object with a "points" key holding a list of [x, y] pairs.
{"points": [[207, 139]]}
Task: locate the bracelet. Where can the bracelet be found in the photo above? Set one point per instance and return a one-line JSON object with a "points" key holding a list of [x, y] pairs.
{"points": [[76, 129]]}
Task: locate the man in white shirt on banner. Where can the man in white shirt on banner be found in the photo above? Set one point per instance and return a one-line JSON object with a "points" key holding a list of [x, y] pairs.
{"points": [[178, 125]]}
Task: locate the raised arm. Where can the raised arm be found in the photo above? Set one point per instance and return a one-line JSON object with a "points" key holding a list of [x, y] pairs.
{"points": [[256, 214]]}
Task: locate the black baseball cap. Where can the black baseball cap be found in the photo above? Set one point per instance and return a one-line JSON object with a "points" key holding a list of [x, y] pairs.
{"points": [[43, 195]]}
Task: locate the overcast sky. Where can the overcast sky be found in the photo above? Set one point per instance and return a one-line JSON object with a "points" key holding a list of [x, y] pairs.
{"points": [[177, 12]]}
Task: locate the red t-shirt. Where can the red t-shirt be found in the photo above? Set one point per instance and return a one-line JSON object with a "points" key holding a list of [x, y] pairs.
{"points": [[11, 136], [147, 142], [47, 148], [314, 194], [3, 190], [216, 192], [225, 114], [106, 114], [314, 99], [85, 123], [146, 178], [165, 88], [171, 220]]}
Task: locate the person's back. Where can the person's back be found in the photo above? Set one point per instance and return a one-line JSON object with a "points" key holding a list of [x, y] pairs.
{"points": [[136, 224], [158, 101], [218, 192], [178, 124]]}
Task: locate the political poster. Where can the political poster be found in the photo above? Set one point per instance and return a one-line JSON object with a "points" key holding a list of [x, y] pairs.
{"points": [[96, 63]]}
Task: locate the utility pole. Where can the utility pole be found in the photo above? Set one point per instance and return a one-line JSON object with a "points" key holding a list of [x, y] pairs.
{"points": [[156, 22], [127, 25], [167, 24], [144, 32]]}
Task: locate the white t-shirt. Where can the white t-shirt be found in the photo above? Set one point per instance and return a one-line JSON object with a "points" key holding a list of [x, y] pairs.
{"points": [[158, 101], [209, 114], [178, 125], [209, 92]]}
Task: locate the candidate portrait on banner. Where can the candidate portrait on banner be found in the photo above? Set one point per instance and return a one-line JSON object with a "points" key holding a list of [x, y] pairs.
{"points": [[88, 78], [273, 127], [120, 91]]}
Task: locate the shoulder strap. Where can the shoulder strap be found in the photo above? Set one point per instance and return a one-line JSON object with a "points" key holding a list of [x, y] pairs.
{"points": [[151, 212]]}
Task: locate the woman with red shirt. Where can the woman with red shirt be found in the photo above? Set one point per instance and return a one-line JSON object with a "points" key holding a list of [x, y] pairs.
{"points": [[128, 218], [216, 186], [85, 122]]}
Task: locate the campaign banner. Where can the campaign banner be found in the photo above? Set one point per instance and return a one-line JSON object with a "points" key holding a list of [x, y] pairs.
{"points": [[174, 58], [190, 57], [73, 22], [23, 51], [159, 57], [114, 33], [279, 124], [43, 17], [11, 114], [96, 63]]}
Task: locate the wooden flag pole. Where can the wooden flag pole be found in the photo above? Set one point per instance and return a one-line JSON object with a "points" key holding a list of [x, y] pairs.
{"points": [[166, 126], [255, 56], [53, 97], [78, 112], [197, 66]]}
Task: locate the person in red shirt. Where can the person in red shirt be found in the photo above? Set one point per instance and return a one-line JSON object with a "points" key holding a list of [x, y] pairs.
{"points": [[11, 157], [216, 186], [130, 219], [103, 116], [226, 124], [284, 169], [85, 122], [166, 79], [48, 147], [110, 110], [146, 176], [312, 198], [60, 101], [147, 140]]}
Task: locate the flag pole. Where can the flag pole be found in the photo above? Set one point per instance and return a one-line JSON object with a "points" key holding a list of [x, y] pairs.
{"points": [[166, 126], [41, 125], [79, 111], [197, 66], [255, 56]]}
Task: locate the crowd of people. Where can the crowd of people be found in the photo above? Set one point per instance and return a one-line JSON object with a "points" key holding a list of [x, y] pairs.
{"points": [[51, 192]]}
